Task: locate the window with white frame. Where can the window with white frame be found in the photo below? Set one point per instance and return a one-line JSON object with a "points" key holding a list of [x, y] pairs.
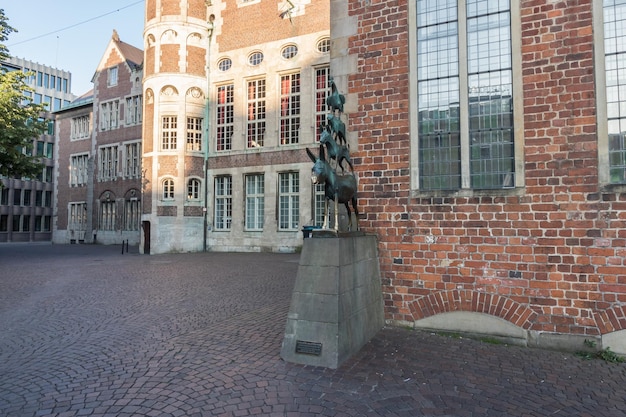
{"points": [[223, 202], [224, 64], [78, 169], [255, 202], [289, 51], [225, 117], [288, 200], [612, 124], [289, 108], [133, 110], [255, 58], [112, 76], [167, 189], [107, 215], [107, 163], [256, 113], [77, 216], [109, 115], [80, 127], [322, 91], [465, 133], [132, 214], [132, 160], [193, 189], [319, 204], [169, 125], [323, 45], [194, 134]]}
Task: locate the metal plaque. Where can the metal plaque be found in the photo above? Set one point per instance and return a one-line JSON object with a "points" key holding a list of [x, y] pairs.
{"points": [[308, 348]]}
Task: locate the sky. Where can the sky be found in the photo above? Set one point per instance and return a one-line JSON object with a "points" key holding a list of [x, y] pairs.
{"points": [[72, 35]]}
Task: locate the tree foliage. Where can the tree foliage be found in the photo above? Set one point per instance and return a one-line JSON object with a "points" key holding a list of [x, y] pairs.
{"points": [[20, 119], [5, 31]]}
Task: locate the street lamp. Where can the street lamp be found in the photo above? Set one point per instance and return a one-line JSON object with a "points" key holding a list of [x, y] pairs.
{"points": [[207, 117]]}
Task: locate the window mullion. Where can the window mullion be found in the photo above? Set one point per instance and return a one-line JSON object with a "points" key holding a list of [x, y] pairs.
{"points": [[464, 96]]}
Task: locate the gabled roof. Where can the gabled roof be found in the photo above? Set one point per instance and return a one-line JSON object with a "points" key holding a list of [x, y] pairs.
{"points": [[133, 57]]}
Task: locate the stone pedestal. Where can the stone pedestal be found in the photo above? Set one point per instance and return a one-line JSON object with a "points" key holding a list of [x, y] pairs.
{"points": [[337, 303]]}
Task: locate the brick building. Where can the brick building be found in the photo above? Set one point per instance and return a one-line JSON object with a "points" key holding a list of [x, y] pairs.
{"points": [[98, 158], [492, 164], [234, 93]]}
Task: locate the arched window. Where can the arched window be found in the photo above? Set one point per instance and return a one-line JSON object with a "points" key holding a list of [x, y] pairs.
{"points": [[168, 189], [193, 189], [108, 208]]}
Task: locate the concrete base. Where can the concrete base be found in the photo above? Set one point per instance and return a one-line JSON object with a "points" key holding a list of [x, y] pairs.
{"points": [[337, 303]]}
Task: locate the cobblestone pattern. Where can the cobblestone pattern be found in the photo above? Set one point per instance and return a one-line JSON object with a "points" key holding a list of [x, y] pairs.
{"points": [[87, 331]]}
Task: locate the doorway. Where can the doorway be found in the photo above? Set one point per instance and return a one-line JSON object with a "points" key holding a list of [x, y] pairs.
{"points": [[146, 237]]}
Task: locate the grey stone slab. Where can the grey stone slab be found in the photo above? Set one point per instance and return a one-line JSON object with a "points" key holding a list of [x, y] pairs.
{"points": [[352, 314], [317, 279]]}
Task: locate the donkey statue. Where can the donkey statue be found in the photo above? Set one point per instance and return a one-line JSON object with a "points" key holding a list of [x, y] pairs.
{"points": [[335, 151], [339, 188]]}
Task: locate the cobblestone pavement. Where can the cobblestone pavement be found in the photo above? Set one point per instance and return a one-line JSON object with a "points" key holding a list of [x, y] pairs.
{"points": [[88, 331]]}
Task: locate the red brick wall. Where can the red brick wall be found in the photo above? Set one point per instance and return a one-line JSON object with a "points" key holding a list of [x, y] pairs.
{"points": [[170, 8], [194, 166], [149, 61], [150, 9], [258, 159], [548, 259], [197, 9], [169, 58], [262, 19], [168, 211], [192, 211], [168, 165], [67, 148], [196, 61]]}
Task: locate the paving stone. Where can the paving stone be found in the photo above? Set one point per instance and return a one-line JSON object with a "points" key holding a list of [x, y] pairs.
{"points": [[85, 330]]}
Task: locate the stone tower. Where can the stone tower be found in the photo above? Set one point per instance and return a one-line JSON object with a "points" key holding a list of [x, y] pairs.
{"points": [[175, 90]]}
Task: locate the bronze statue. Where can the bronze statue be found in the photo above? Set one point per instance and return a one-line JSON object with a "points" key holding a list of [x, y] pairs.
{"points": [[338, 128], [335, 150], [339, 188], [335, 101]]}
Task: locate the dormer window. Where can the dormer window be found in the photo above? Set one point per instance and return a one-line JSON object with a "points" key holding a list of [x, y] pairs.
{"points": [[112, 77]]}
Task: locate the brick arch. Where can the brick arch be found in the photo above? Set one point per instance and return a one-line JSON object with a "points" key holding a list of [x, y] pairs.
{"points": [[476, 302], [611, 320]]}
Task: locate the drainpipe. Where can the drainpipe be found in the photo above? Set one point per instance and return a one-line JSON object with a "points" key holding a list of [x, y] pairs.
{"points": [[207, 118]]}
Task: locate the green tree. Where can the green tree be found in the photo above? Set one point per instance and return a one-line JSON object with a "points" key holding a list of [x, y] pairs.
{"points": [[20, 119]]}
